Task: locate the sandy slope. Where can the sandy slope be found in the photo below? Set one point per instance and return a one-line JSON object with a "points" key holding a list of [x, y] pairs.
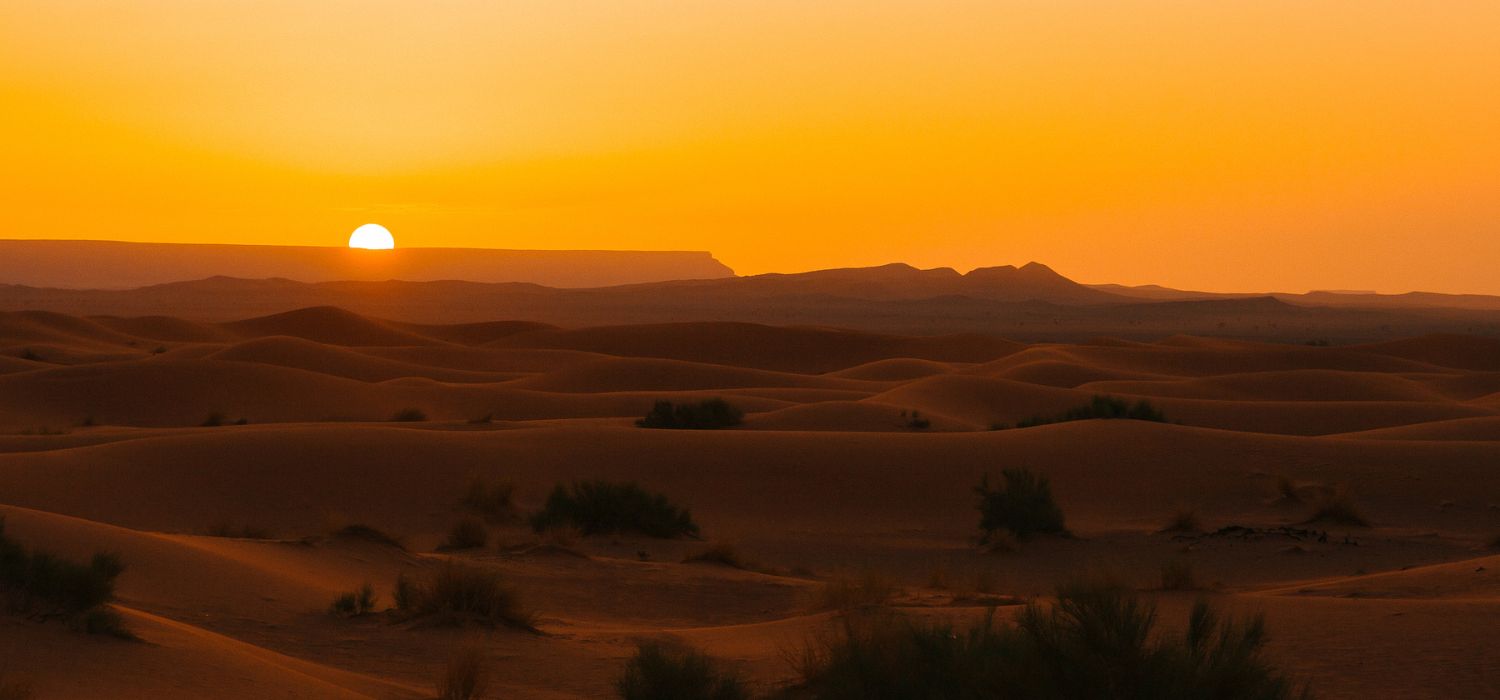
{"points": [[825, 477]]}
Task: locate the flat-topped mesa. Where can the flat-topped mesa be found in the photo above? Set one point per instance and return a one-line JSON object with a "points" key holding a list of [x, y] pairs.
{"points": [[122, 265]]}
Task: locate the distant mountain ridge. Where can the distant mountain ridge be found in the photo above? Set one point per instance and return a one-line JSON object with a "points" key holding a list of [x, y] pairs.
{"points": [[127, 265]]}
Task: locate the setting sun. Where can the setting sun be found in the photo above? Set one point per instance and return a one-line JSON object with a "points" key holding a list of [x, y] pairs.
{"points": [[372, 237]]}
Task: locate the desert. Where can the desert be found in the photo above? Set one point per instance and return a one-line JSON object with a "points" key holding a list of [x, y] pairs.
{"points": [[232, 466]]}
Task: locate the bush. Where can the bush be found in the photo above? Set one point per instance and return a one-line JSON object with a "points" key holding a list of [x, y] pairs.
{"points": [[493, 501], [214, 420], [456, 593], [467, 675], [1103, 407], [705, 415], [40, 583], [914, 421], [361, 602], [1096, 642], [602, 507], [409, 415], [1022, 508], [662, 672], [468, 533]]}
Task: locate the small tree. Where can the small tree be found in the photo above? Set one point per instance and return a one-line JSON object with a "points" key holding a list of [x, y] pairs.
{"points": [[1023, 507]]}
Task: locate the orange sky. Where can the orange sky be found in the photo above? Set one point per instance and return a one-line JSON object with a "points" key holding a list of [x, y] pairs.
{"points": [[1257, 145]]}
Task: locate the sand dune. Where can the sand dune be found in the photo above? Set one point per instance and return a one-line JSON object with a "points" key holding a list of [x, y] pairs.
{"points": [[327, 325], [828, 476]]}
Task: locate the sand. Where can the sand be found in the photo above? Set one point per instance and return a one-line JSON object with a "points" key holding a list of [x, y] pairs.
{"points": [[101, 448]]}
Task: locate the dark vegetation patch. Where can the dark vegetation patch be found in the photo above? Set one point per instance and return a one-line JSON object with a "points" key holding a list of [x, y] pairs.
{"points": [[704, 415], [409, 415], [43, 586], [467, 533], [660, 671], [606, 508], [360, 602], [1101, 407], [460, 593], [1022, 506], [1097, 641]]}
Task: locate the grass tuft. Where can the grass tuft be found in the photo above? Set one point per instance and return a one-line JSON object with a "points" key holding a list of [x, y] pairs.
{"points": [[467, 675], [660, 671], [457, 593], [467, 533]]}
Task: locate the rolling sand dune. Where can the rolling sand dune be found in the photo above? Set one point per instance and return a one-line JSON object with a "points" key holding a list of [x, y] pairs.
{"points": [[828, 476]]}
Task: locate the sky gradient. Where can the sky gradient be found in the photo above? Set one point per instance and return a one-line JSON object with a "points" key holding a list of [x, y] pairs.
{"points": [[1248, 146]]}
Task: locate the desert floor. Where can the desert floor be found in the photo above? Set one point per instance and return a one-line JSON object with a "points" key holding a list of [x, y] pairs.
{"points": [[102, 448]]}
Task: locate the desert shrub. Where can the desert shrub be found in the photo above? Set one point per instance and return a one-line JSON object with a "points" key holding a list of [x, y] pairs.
{"points": [[456, 593], [367, 533], [1339, 508], [720, 553], [1177, 575], [662, 672], [409, 415], [603, 507], [1023, 507], [214, 420], [914, 421], [467, 675], [1096, 642], [704, 415], [847, 592], [360, 602], [468, 533], [39, 583], [1102, 407], [493, 501], [1184, 520]]}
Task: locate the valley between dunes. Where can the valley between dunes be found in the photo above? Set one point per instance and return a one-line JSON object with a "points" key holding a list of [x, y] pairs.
{"points": [[103, 447]]}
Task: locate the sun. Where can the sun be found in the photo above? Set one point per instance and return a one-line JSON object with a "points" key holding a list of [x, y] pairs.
{"points": [[372, 237]]}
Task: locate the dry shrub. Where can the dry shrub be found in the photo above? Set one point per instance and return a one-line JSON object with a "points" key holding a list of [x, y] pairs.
{"points": [[1097, 641], [360, 602], [467, 675], [672, 672], [457, 593], [467, 533]]}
